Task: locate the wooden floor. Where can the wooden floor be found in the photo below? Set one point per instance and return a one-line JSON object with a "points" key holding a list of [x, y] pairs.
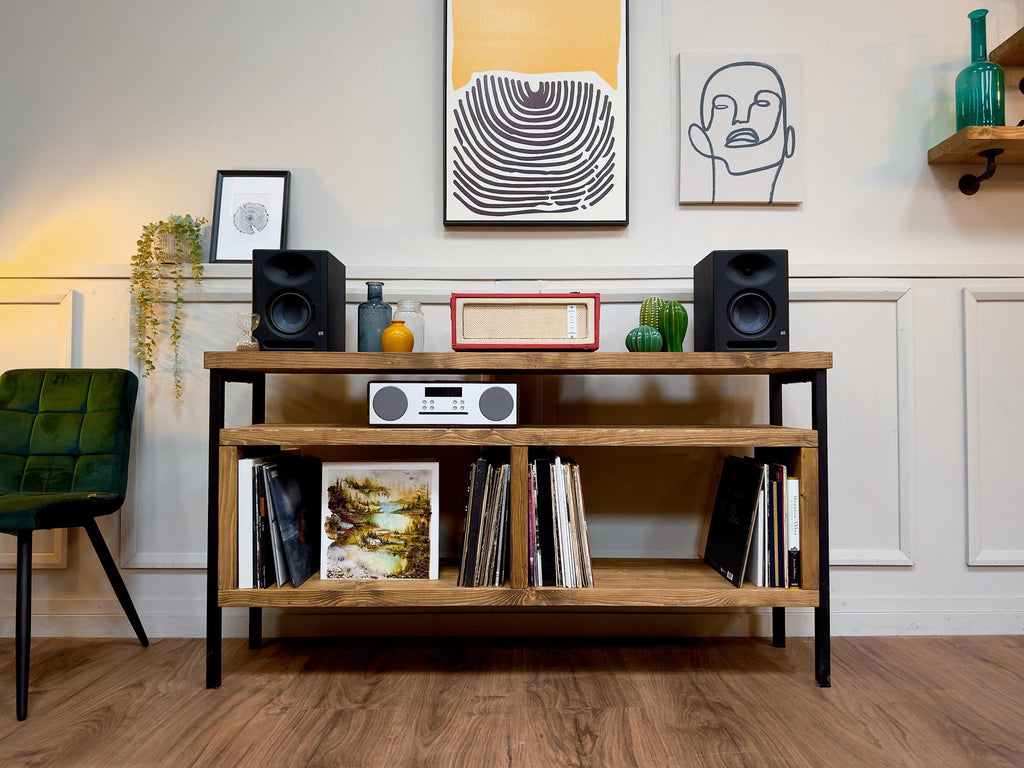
{"points": [[930, 702]]}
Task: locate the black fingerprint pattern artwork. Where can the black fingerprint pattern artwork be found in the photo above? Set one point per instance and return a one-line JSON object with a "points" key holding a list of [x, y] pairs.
{"points": [[525, 148]]}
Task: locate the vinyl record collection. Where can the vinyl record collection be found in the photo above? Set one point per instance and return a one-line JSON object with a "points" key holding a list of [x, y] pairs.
{"points": [[559, 551]]}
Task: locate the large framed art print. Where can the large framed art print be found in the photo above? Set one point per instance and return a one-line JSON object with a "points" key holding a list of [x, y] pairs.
{"points": [[536, 112]]}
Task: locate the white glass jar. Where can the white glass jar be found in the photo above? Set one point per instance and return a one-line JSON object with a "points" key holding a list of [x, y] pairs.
{"points": [[411, 312]]}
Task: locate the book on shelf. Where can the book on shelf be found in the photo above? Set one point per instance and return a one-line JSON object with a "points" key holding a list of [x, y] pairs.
{"points": [[777, 528], [757, 561], [560, 544], [292, 488], [262, 559], [733, 515], [379, 520], [793, 512], [471, 529], [574, 483], [246, 523], [485, 537], [544, 574], [265, 573], [273, 555]]}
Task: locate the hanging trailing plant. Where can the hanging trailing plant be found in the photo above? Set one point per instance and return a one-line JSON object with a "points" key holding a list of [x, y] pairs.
{"points": [[158, 267]]}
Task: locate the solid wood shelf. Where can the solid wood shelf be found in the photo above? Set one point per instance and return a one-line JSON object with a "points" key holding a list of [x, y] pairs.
{"points": [[301, 435], [618, 583], [1010, 52], [561, 363], [965, 145]]}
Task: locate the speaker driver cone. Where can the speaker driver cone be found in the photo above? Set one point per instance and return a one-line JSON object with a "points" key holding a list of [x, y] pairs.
{"points": [[750, 313], [290, 313]]}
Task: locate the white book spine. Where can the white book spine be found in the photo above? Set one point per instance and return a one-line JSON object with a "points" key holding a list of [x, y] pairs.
{"points": [[246, 531], [793, 520]]}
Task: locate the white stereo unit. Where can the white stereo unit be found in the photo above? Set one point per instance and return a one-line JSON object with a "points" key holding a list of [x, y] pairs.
{"points": [[443, 403]]}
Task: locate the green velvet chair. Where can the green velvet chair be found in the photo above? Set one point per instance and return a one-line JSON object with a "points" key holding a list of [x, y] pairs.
{"points": [[65, 436]]}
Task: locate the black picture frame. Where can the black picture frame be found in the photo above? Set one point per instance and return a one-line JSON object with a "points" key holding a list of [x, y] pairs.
{"points": [[250, 211], [493, 125]]}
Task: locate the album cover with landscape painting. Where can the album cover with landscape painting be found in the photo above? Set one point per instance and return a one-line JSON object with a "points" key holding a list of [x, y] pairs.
{"points": [[380, 520]]}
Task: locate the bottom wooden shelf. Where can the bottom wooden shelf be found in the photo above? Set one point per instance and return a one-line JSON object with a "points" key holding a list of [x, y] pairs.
{"points": [[645, 584]]}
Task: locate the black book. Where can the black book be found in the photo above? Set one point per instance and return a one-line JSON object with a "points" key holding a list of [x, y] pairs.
{"points": [[292, 484], [265, 574], [732, 518], [777, 474], [474, 513], [544, 519]]}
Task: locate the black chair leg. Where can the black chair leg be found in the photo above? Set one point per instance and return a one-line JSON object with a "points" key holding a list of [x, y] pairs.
{"points": [[115, 579], [23, 620]]}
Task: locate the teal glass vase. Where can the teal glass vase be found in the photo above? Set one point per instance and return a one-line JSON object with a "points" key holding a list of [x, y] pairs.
{"points": [[980, 90], [374, 316]]}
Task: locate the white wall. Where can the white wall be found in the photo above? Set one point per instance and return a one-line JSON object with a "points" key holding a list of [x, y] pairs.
{"points": [[122, 112]]}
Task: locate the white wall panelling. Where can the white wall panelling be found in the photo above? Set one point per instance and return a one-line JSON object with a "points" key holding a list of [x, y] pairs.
{"points": [[44, 339], [869, 329], [993, 414], [163, 525]]}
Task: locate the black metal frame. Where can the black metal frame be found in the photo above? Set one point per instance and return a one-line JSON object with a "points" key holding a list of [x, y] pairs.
{"points": [[214, 614], [819, 422]]}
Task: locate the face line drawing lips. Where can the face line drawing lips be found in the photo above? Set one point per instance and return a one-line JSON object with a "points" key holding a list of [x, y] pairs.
{"points": [[742, 137]]}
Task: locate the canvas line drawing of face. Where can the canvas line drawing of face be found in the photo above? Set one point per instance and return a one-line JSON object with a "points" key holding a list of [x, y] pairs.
{"points": [[743, 130]]}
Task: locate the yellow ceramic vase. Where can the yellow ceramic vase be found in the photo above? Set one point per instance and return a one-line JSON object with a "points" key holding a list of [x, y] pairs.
{"points": [[396, 337]]}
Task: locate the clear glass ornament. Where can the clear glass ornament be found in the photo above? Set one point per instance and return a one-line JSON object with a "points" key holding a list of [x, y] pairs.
{"points": [[247, 322], [411, 312]]}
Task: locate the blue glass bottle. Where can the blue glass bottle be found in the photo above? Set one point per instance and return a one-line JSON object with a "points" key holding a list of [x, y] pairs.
{"points": [[979, 86], [374, 317]]}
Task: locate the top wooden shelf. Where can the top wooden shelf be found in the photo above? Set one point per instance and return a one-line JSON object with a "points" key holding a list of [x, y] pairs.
{"points": [[1010, 53], [965, 145], [723, 363]]}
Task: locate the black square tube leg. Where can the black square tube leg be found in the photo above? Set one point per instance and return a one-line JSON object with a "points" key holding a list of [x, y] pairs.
{"points": [[255, 628], [259, 410], [214, 615], [822, 618], [779, 627], [23, 621], [114, 576], [775, 417]]}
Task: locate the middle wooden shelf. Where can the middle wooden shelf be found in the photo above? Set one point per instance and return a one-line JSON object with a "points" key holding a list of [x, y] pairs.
{"points": [[298, 435]]}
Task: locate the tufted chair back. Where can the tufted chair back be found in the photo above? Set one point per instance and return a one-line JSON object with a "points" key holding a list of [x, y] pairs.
{"points": [[66, 430], [65, 438]]}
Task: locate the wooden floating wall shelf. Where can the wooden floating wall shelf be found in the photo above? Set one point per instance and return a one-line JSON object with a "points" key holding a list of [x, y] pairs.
{"points": [[986, 142]]}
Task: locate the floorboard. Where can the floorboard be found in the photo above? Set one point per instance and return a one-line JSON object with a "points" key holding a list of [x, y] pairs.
{"points": [[922, 701]]}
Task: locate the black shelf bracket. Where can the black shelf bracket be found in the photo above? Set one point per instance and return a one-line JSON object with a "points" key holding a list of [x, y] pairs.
{"points": [[969, 183]]}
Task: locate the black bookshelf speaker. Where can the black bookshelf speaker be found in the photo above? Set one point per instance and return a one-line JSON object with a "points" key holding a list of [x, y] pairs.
{"points": [[300, 298], [741, 301]]}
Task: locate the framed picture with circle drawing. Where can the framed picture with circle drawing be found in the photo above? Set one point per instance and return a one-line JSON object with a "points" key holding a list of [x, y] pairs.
{"points": [[250, 211]]}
